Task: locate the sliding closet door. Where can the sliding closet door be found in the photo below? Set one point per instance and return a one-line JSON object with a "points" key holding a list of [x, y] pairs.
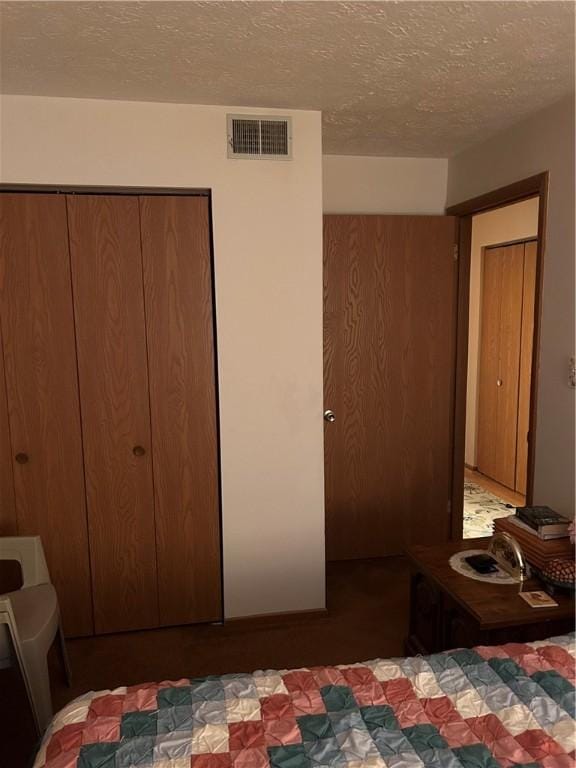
{"points": [[42, 389], [180, 331], [389, 331], [526, 345], [112, 365]]}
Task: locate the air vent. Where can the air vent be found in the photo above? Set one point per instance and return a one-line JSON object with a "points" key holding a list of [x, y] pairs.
{"points": [[250, 136]]}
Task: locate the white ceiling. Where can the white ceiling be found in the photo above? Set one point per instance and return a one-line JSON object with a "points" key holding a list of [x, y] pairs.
{"points": [[391, 78]]}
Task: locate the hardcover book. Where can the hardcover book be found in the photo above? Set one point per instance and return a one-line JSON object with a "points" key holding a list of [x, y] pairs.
{"points": [[543, 519]]}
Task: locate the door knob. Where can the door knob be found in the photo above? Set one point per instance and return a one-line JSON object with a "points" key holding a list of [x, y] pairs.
{"points": [[329, 416], [498, 382], [21, 458], [138, 450]]}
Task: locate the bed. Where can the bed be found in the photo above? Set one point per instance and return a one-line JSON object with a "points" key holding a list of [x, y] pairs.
{"points": [[510, 705]]}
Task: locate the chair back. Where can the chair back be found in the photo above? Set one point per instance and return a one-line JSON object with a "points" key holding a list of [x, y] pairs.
{"points": [[28, 551]]}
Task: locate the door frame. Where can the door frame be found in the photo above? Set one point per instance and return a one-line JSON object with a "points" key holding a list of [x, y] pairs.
{"points": [[534, 186]]}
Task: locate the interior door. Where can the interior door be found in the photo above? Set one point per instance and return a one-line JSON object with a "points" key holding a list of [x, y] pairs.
{"points": [[41, 380], [8, 522], [526, 346], [501, 329], [389, 336], [112, 366], [180, 332]]}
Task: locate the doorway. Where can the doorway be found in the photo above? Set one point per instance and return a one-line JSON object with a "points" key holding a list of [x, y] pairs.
{"points": [[501, 246]]}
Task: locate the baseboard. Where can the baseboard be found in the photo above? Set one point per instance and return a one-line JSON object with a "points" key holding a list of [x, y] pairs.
{"points": [[471, 467], [268, 619]]}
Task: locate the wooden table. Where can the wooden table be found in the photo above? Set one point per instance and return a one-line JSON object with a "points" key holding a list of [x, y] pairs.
{"points": [[449, 610]]}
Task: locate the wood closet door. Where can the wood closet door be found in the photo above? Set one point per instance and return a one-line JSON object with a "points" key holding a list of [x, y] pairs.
{"points": [[41, 378], [180, 330], [526, 345], [389, 334], [112, 365], [501, 325]]}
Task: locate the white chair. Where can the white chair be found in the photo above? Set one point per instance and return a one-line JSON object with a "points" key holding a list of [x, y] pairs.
{"points": [[29, 622]]}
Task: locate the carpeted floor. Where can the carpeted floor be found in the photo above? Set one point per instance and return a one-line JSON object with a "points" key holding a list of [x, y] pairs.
{"points": [[367, 617], [481, 508]]}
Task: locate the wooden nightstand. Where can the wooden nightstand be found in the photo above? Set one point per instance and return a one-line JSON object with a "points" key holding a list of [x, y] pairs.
{"points": [[448, 610]]}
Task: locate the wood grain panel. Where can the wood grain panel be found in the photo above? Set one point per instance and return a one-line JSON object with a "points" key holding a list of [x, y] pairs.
{"points": [[42, 388], [526, 344], [8, 521], [179, 322], [512, 257], [389, 333], [112, 365], [489, 368]]}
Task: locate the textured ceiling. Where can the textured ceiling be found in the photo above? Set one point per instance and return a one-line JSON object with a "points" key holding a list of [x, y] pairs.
{"points": [[391, 78]]}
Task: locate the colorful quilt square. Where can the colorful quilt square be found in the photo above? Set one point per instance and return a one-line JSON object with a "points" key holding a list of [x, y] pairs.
{"points": [[308, 702], [101, 730], [440, 710], [539, 744], [245, 735], [391, 742], [97, 755], [207, 689], [276, 707], [346, 721], [177, 744], [242, 709], [358, 676], [476, 756], [239, 687], [398, 690], [410, 712], [253, 757], [214, 760], [356, 745], [328, 676], [325, 753], [386, 670], [487, 728], [279, 732], [314, 727], [369, 694], [379, 717], [424, 738], [141, 699], [177, 718], [174, 697], [300, 680], [138, 751], [457, 733], [138, 724], [210, 738], [105, 706], [204, 712], [338, 698], [66, 739], [291, 756], [269, 684]]}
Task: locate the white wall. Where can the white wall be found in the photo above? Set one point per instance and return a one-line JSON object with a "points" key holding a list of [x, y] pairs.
{"points": [[514, 222], [544, 142], [384, 184], [268, 260]]}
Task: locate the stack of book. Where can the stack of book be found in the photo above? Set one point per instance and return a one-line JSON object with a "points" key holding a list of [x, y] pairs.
{"points": [[541, 533]]}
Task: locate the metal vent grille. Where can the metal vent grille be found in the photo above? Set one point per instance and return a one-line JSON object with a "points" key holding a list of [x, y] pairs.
{"points": [[259, 137]]}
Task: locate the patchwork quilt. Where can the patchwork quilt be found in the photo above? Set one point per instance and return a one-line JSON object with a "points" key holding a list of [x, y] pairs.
{"points": [[490, 707]]}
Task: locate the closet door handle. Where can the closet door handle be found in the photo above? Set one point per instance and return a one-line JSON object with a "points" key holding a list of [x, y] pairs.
{"points": [[138, 450], [21, 458], [498, 382]]}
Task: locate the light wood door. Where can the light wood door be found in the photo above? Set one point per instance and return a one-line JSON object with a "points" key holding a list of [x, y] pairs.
{"points": [[180, 331], [526, 346], [501, 327], [389, 334], [42, 390], [112, 365]]}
